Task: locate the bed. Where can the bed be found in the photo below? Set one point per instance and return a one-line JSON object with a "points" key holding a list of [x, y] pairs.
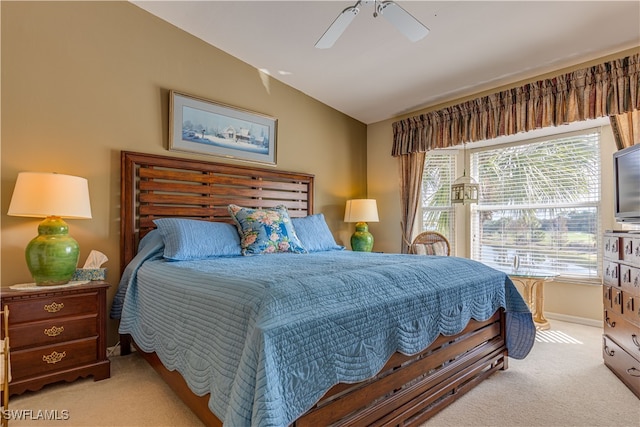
{"points": [[311, 334]]}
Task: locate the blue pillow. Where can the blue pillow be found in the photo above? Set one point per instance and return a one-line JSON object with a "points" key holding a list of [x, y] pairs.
{"points": [[314, 233], [265, 231], [190, 239]]}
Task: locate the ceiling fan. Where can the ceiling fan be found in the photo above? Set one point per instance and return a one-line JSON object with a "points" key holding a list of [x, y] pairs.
{"points": [[413, 29]]}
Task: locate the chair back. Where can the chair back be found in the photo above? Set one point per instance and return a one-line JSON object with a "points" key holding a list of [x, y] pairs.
{"points": [[430, 243]]}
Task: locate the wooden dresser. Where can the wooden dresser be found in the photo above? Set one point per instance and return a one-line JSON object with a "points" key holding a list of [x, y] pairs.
{"points": [[621, 297], [57, 334]]}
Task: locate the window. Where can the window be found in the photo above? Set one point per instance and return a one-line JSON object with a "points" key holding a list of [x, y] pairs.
{"points": [[437, 210], [540, 201]]}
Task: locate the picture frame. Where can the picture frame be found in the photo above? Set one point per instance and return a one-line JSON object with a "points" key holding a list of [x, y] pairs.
{"points": [[202, 126]]}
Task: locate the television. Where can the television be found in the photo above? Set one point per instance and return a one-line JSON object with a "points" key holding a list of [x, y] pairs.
{"points": [[626, 174]]}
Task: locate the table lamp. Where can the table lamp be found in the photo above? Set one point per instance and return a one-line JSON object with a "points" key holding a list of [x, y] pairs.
{"points": [[52, 256], [361, 211]]}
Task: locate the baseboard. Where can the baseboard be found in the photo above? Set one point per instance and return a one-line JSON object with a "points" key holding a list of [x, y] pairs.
{"points": [[574, 319]]}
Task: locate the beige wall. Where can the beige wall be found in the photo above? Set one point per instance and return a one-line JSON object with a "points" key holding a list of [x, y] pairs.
{"points": [[582, 301], [82, 81]]}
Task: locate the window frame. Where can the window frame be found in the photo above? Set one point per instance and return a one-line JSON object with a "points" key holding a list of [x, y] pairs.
{"points": [[598, 205]]}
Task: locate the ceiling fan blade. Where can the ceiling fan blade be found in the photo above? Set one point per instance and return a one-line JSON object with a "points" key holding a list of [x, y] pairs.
{"points": [[336, 29], [413, 29]]}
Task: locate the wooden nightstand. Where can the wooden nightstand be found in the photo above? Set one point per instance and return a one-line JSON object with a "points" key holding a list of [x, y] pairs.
{"points": [[57, 334]]}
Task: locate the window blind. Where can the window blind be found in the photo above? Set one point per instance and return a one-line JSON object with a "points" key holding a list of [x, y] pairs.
{"points": [[539, 201], [438, 214]]}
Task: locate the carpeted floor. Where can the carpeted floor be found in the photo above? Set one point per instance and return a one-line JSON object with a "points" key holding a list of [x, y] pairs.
{"points": [[562, 382]]}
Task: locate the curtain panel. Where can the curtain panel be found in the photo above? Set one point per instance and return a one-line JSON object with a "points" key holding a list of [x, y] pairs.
{"points": [[607, 89], [626, 129], [411, 168]]}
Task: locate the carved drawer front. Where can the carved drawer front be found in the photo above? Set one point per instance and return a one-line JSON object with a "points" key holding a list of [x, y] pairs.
{"points": [[617, 300], [612, 247], [52, 331], [27, 363], [626, 367], [623, 333], [631, 249], [611, 273], [606, 297], [55, 306], [631, 309], [630, 279]]}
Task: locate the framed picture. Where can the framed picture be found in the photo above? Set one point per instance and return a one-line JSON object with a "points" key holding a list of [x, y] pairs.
{"points": [[201, 126]]}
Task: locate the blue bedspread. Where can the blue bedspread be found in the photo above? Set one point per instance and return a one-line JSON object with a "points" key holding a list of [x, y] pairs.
{"points": [[268, 335]]}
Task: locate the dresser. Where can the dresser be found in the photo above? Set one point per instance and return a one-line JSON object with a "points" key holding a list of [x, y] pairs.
{"points": [[57, 334], [621, 297]]}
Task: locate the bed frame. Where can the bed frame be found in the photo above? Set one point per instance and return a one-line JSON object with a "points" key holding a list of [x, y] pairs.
{"points": [[407, 391]]}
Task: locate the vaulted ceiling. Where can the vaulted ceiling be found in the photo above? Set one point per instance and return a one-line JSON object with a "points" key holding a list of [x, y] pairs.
{"points": [[373, 72]]}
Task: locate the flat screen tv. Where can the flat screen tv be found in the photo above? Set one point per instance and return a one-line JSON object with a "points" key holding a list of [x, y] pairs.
{"points": [[626, 173]]}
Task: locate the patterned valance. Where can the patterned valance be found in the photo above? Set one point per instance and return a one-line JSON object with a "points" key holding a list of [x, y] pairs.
{"points": [[602, 90]]}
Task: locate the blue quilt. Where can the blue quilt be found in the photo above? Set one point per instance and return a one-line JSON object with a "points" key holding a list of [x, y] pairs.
{"points": [[268, 335]]}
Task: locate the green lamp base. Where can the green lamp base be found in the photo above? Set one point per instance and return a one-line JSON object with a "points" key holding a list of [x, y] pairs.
{"points": [[362, 240], [52, 257]]}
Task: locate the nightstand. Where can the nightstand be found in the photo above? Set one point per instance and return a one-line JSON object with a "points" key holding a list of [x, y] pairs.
{"points": [[57, 334]]}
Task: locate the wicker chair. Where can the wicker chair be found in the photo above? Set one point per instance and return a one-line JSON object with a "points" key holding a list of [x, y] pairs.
{"points": [[430, 243]]}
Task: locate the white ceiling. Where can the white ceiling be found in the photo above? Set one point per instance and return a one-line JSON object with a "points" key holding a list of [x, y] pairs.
{"points": [[373, 72]]}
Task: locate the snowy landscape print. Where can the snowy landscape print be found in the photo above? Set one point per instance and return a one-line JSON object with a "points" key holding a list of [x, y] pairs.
{"points": [[203, 127]]}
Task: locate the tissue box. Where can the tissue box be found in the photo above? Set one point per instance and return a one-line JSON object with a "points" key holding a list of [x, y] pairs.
{"points": [[89, 274]]}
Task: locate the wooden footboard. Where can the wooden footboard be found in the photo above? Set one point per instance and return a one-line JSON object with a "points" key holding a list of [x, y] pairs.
{"points": [[407, 391]]}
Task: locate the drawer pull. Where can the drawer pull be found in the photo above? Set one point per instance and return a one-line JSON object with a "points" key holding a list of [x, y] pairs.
{"points": [[633, 372], [54, 331], [54, 357], [634, 338], [54, 307], [610, 323], [609, 352]]}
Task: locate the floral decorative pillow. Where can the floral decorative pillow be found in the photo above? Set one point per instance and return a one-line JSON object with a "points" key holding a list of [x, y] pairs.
{"points": [[264, 231]]}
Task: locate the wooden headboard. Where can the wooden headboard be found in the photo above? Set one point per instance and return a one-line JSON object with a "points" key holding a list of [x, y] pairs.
{"points": [[153, 186]]}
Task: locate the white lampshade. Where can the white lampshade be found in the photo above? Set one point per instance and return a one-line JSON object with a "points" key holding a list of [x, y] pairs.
{"points": [[43, 194], [361, 210]]}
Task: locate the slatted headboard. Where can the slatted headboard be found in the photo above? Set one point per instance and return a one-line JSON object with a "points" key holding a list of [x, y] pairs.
{"points": [[154, 186]]}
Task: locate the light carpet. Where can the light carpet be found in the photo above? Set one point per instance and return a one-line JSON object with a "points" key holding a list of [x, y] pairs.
{"points": [[563, 382]]}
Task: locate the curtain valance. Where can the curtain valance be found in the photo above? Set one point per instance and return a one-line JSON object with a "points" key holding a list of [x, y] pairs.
{"points": [[606, 89]]}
